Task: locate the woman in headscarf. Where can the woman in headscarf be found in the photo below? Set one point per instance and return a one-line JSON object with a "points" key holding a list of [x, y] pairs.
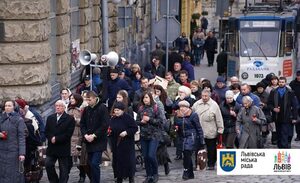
{"points": [[248, 124], [123, 128]]}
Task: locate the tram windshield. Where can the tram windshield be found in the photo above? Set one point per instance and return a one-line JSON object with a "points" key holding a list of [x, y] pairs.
{"points": [[259, 43]]}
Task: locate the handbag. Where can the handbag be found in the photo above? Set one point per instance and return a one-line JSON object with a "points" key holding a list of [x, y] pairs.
{"points": [[34, 175], [220, 144], [165, 139], [41, 155]]}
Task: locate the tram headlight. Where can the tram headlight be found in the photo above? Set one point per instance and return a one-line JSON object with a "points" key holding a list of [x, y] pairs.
{"points": [[245, 75]]}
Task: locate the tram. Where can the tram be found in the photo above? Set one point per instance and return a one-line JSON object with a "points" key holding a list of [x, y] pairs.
{"points": [[262, 40]]}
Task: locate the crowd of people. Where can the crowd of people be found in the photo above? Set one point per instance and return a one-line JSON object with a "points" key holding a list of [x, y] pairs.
{"points": [[194, 113]]}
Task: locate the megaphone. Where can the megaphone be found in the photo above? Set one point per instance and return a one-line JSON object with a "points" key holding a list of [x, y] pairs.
{"points": [[86, 57], [111, 59]]}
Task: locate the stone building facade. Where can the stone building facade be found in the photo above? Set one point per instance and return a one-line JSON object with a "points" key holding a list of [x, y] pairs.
{"points": [[39, 38]]}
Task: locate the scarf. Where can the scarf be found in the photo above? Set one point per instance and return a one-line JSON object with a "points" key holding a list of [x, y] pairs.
{"points": [[281, 91]]}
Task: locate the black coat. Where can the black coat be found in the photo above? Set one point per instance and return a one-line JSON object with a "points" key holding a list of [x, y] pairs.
{"points": [[62, 131], [288, 106], [94, 120], [211, 44], [123, 148], [222, 62], [295, 85], [229, 120]]}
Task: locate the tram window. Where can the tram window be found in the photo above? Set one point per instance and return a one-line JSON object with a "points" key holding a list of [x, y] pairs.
{"points": [[259, 43], [288, 42]]}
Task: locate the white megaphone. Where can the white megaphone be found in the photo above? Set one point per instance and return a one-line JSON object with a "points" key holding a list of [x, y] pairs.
{"points": [[111, 59], [86, 57]]}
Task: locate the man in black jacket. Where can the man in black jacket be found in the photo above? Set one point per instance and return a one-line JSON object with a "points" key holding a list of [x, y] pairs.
{"points": [[283, 105], [93, 126], [211, 46], [295, 85], [59, 129]]}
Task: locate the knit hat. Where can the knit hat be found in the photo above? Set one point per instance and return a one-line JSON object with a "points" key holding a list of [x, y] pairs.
{"points": [[229, 94], [185, 90], [22, 103], [184, 103], [260, 84], [221, 79], [87, 77], [119, 105]]}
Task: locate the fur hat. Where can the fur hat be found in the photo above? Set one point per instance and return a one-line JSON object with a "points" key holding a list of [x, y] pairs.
{"points": [[185, 90], [184, 103]]}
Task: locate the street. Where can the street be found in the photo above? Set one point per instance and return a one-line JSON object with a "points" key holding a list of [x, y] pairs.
{"points": [[176, 167], [205, 176]]}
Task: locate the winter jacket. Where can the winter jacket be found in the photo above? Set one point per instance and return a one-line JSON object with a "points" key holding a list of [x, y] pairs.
{"points": [[295, 85], [12, 147], [221, 92], [186, 65], [114, 86], [229, 120], [94, 120], [172, 89], [210, 118], [288, 106], [151, 129], [193, 138], [255, 98], [250, 131]]}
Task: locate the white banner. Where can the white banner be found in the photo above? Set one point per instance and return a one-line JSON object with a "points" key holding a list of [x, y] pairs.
{"points": [[258, 162]]}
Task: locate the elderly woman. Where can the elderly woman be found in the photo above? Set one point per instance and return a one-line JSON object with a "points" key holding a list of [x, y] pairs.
{"points": [[123, 128], [193, 139], [248, 124], [212, 124], [12, 144], [229, 109], [184, 93]]}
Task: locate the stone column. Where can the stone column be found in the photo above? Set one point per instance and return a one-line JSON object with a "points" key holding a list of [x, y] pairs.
{"points": [[96, 30], [113, 27], [85, 12], [63, 56], [25, 50]]}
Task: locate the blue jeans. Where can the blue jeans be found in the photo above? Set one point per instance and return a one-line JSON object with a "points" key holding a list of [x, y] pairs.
{"points": [[94, 162], [149, 148]]}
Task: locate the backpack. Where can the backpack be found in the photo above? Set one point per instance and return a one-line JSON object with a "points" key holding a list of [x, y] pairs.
{"points": [[40, 123]]}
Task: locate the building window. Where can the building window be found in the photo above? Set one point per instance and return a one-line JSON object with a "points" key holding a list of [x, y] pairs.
{"points": [[74, 35], [52, 39]]}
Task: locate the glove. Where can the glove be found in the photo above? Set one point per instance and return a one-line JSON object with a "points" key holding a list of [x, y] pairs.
{"points": [[123, 134]]}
